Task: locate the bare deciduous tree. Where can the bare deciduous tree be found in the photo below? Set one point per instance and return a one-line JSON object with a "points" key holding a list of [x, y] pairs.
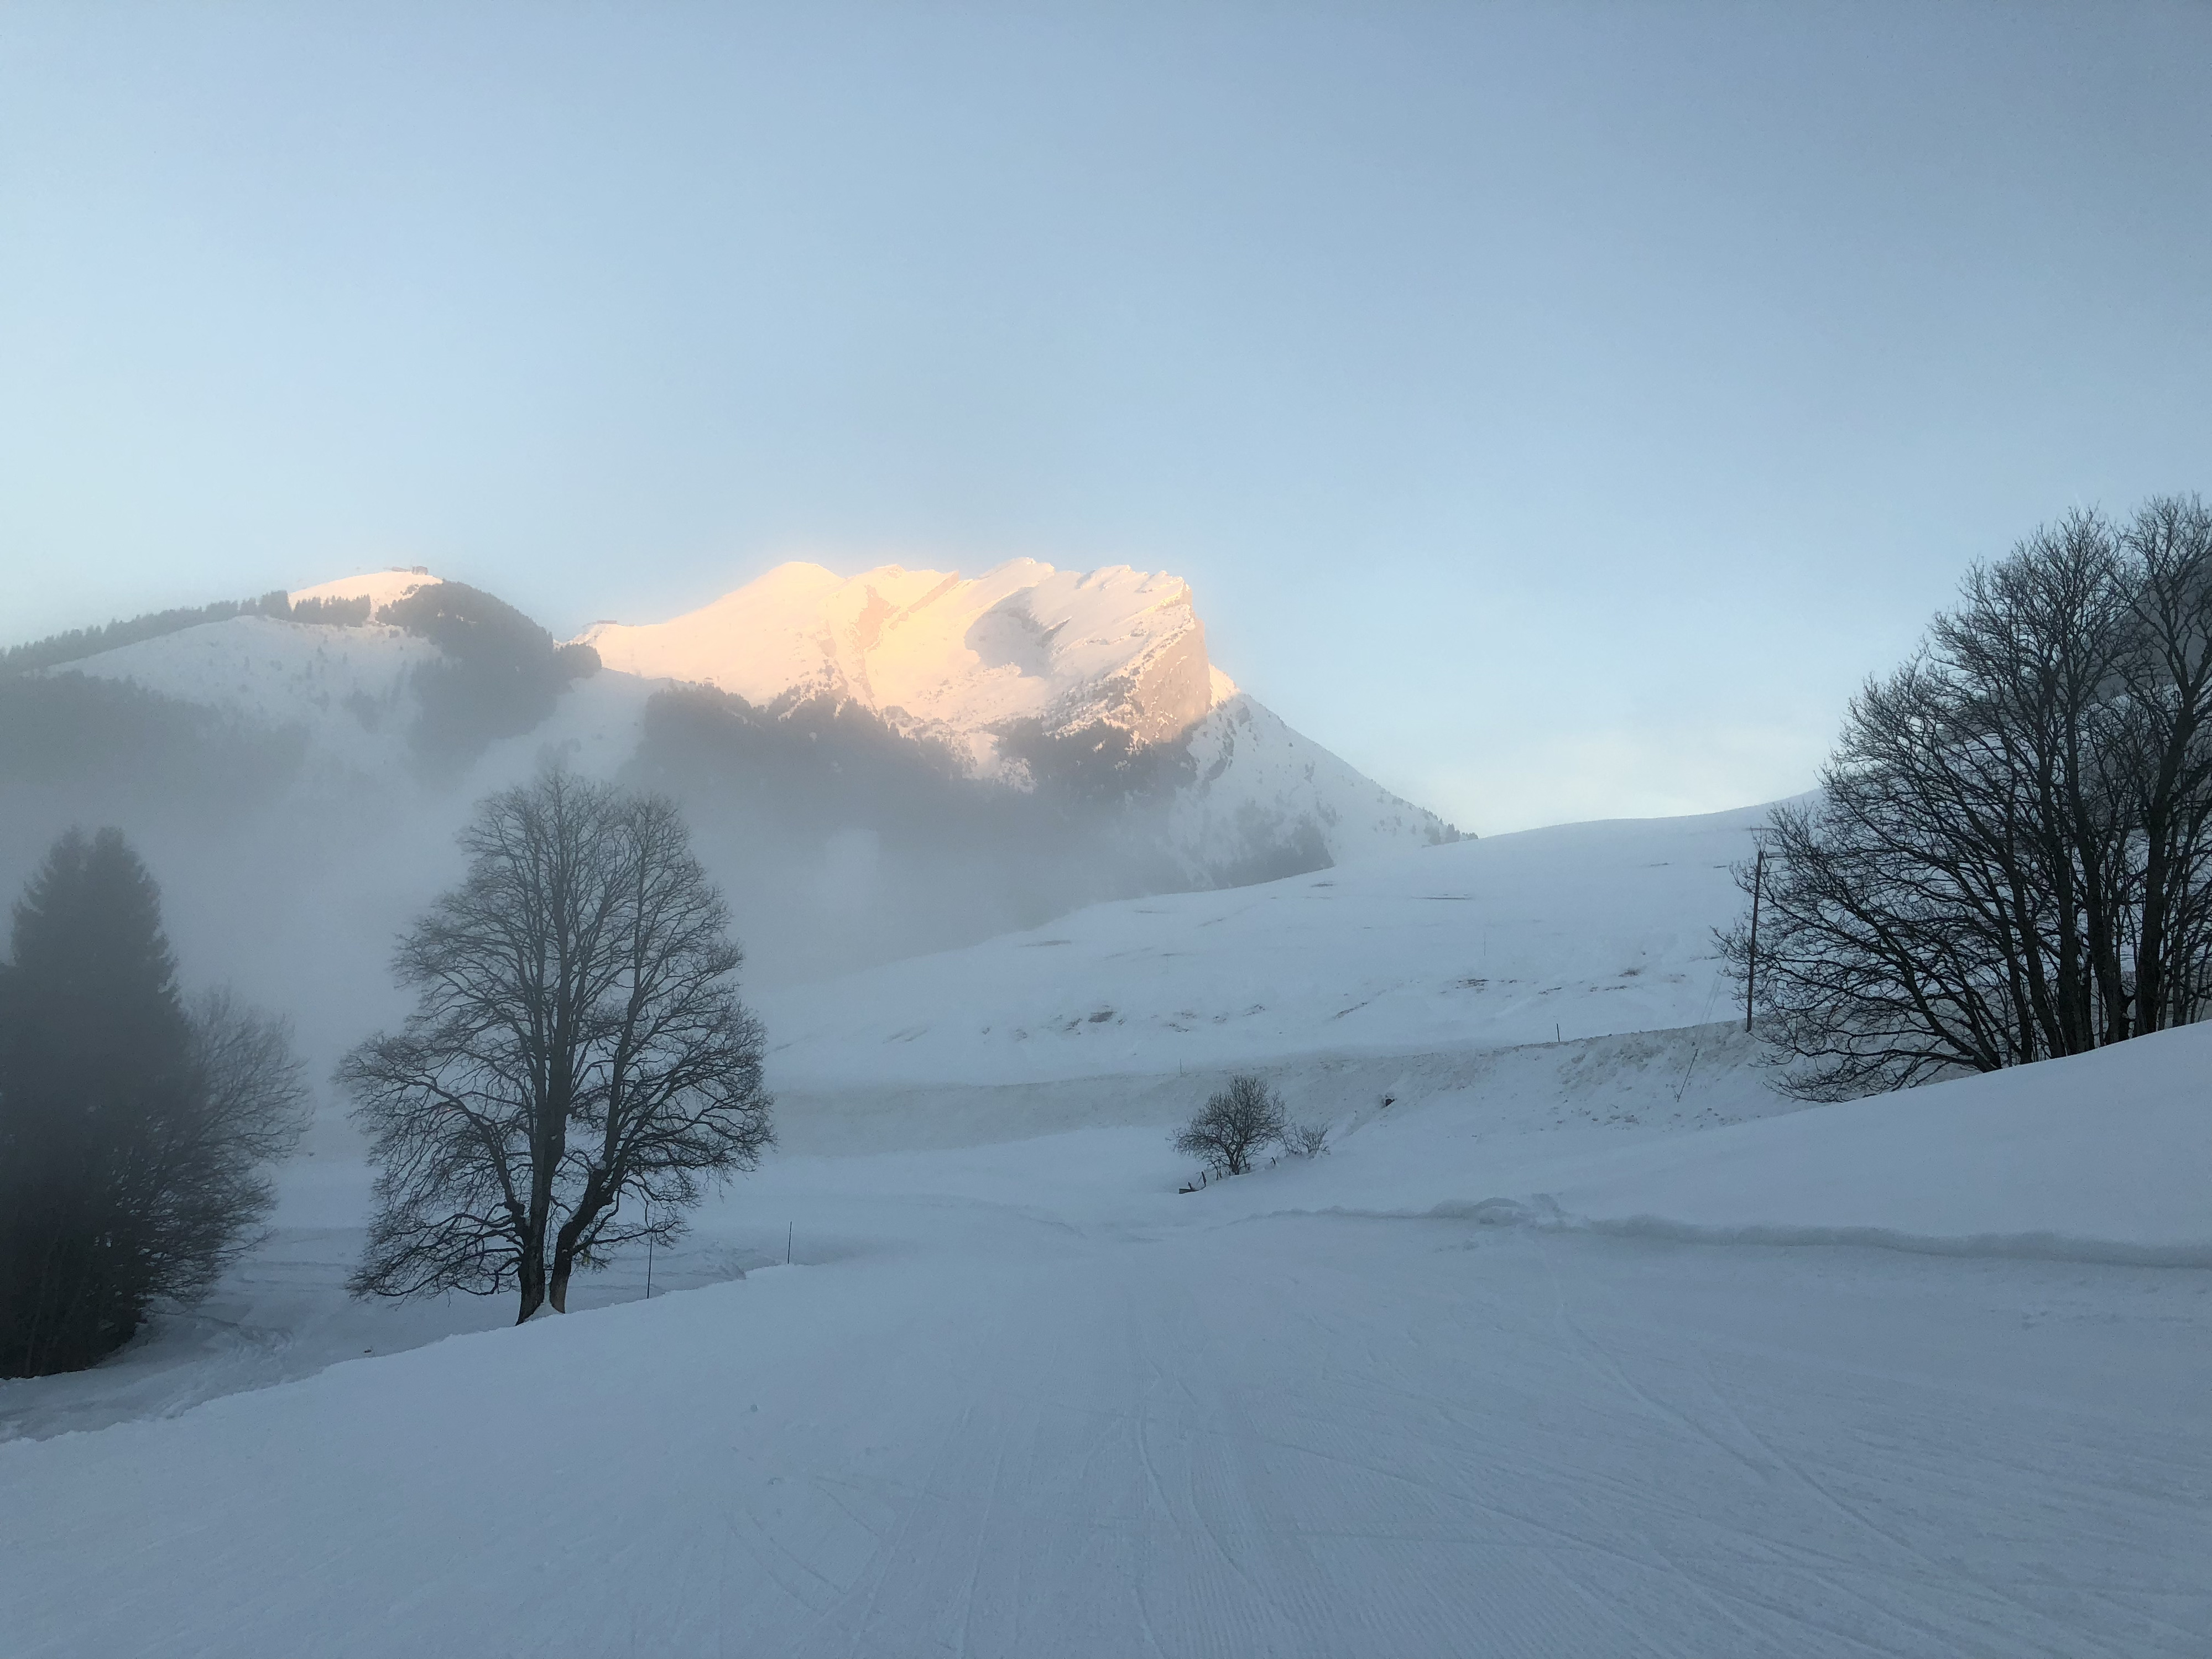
{"points": [[577, 1043], [1235, 1124], [2010, 856], [205, 1174]]}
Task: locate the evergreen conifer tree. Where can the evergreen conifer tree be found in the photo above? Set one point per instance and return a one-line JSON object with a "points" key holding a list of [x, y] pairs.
{"points": [[131, 1127]]}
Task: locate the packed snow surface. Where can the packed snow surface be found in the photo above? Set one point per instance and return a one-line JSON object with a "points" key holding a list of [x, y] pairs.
{"points": [[1028, 1398]]}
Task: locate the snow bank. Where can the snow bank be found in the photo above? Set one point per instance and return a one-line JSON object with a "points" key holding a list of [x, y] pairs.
{"points": [[2101, 1158]]}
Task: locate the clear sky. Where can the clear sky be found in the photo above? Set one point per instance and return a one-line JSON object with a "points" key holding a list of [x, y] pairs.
{"points": [[1558, 409]]}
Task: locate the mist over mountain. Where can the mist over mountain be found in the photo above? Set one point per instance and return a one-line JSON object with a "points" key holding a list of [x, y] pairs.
{"points": [[895, 763]]}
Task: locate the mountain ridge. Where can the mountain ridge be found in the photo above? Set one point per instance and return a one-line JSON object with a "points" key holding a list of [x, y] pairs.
{"points": [[957, 657], [900, 762]]}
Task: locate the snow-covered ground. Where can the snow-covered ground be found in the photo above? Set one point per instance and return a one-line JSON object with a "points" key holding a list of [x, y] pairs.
{"points": [[1028, 1398], [1592, 1345], [1549, 935]]}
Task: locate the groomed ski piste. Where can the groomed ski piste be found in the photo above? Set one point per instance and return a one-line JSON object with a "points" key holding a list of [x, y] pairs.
{"points": [[1586, 1342]]}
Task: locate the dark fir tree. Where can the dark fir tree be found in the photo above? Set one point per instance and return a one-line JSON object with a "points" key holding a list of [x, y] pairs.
{"points": [[134, 1129]]}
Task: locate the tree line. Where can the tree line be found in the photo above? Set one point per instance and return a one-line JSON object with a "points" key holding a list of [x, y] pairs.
{"points": [[2010, 855]]}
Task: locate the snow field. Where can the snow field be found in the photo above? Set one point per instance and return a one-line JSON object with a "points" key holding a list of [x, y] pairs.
{"points": [[984, 1429], [1025, 1398], [1574, 1347], [284, 1315], [1582, 931]]}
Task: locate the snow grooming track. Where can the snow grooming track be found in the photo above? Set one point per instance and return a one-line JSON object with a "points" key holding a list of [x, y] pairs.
{"points": [[1542, 1212], [2032, 1247]]}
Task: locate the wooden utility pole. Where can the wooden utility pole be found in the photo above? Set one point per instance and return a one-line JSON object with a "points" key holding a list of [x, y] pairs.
{"points": [[1751, 956]]}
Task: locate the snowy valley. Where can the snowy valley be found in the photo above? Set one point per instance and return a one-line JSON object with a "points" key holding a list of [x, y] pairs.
{"points": [[1575, 1342], [1579, 1337]]}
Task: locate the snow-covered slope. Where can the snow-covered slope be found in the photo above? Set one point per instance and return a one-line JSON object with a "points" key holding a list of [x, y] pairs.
{"points": [[379, 587], [2105, 1157], [1260, 790], [346, 687], [1568, 933]]}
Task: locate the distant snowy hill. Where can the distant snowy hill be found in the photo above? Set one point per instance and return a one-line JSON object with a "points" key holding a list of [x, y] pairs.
{"points": [[350, 689], [1582, 931], [378, 589]]}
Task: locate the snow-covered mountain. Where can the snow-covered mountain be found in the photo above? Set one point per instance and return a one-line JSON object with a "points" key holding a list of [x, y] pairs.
{"points": [[900, 762], [965, 661], [1012, 670]]}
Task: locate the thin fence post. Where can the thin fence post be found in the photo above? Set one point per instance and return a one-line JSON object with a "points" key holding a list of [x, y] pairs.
{"points": [[1751, 954]]}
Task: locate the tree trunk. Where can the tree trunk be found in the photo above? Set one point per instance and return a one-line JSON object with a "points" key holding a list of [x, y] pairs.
{"points": [[533, 1277], [588, 1206]]}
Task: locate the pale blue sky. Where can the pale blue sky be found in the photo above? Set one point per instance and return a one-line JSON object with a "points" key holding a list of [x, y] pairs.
{"points": [[1557, 409]]}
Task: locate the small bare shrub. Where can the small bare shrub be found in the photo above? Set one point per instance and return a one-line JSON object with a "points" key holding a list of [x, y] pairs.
{"points": [[1306, 1140], [1234, 1125]]}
